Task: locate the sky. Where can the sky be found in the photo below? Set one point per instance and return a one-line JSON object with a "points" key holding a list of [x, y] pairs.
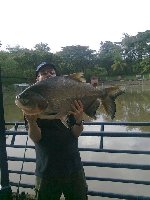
{"points": [[61, 23]]}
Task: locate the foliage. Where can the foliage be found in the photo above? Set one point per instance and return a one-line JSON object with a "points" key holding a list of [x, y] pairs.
{"points": [[129, 57], [76, 58], [145, 65]]}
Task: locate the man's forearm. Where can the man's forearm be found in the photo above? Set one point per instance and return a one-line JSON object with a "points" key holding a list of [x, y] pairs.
{"points": [[76, 130], [34, 131]]}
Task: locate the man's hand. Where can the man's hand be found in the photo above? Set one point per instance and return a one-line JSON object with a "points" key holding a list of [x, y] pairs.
{"points": [[34, 131], [77, 111]]}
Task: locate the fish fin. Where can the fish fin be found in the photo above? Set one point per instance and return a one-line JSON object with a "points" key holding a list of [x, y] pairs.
{"points": [[77, 77], [115, 91], [108, 101], [91, 111]]}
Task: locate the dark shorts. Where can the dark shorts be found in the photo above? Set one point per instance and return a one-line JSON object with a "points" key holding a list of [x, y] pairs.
{"points": [[73, 187]]}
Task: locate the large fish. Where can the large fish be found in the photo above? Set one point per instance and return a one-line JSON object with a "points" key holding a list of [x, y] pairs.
{"points": [[52, 98]]}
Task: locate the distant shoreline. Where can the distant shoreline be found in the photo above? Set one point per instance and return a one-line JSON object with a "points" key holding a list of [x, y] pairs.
{"points": [[125, 82]]}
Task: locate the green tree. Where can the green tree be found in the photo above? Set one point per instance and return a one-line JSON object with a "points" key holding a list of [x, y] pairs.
{"points": [[145, 65], [76, 58], [136, 49], [27, 60], [107, 55], [42, 47]]}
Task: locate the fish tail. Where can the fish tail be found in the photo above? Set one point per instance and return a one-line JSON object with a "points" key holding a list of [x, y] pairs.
{"points": [[108, 101]]}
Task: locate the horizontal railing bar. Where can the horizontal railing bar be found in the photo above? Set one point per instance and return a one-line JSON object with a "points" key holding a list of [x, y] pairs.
{"points": [[118, 180], [16, 132], [96, 133], [20, 146], [92, 178], [23, 185], [115, 134], [10, 158], [91, 149], [119, 123], [116, 165], [14, 123], [115, 151], [119, 196], [90, 163], [97, 123], [21, 172]]}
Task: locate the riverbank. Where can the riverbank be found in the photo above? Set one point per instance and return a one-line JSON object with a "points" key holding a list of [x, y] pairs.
{"points": [[126, 82]]}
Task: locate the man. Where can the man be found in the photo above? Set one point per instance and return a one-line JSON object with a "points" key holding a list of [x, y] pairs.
{"points": [[58, 164]]}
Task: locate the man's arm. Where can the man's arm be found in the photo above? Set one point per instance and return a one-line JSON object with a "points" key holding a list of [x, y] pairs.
{"points": [[34, 131], [76, 130], [78, 115]]}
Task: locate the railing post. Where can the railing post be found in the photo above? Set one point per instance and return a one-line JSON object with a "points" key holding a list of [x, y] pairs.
{"points": [[5, 191], [13, 137], [101, 141]]}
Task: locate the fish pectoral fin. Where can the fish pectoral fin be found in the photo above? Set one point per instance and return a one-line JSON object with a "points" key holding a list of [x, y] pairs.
{"points": [[77, 77], [109, 106], [91, 111], [108, 101]]}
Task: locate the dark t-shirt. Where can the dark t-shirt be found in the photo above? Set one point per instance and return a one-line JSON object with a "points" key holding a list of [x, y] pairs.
{"points": [[57, 151]]}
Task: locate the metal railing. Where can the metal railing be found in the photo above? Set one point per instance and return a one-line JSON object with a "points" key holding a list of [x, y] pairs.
{"points": [[102, 134]]}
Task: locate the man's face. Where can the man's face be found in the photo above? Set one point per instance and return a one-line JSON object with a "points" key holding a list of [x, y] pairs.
{"points": [[45, 73]]}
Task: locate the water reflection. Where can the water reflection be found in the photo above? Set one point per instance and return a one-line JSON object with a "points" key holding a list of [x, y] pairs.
{"points": [[134, 105]]}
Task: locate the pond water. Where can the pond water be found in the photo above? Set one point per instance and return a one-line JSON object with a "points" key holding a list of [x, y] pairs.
{"points": [[133, 106]]}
